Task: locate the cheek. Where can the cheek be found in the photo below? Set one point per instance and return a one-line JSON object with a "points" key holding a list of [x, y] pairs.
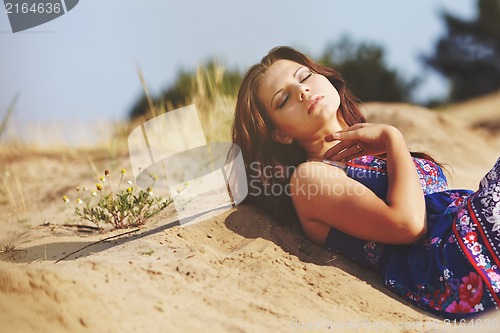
{"points": [[288, 121], [336, 98], [333, 97], [285, 123], [333, 94]]}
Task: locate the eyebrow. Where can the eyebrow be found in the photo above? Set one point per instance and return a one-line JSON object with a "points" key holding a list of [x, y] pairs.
{"points": [[294, 74]]}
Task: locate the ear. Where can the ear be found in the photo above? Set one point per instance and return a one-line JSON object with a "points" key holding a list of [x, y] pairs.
{"points": [[281, 137]]}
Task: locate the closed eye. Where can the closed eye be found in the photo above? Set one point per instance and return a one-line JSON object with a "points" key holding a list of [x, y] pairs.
{"points": [[305, 78], [283, 102]]}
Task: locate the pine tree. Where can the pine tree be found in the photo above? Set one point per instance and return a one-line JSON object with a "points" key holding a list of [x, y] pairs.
{"points": [[363, 67], [469, 54]]}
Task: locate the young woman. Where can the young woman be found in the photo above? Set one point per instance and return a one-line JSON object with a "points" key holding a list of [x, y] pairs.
{"points": [[311, 157]]}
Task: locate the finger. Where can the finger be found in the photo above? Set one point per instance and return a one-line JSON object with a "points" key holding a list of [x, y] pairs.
{"points": [[338, 148], [347, 154], [329, 138], [350, 133]]}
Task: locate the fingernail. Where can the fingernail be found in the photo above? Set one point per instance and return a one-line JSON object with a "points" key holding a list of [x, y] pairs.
{"points": [[331, 137]]}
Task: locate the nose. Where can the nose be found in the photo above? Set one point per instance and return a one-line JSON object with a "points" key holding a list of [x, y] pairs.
{"points": [[303, 91]]}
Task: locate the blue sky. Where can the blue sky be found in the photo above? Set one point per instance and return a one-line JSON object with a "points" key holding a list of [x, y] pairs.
{"points": [[83, 66]]}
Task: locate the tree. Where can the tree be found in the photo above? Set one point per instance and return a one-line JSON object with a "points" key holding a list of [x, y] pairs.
{"points": [[363, 67], [201, 87], [469, 54]]}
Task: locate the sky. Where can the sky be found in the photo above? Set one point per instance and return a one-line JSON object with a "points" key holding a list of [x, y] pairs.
{"points": [[82, 67]]}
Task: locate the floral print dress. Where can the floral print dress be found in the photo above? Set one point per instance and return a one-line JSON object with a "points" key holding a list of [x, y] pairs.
{"points": [[453, 271]]}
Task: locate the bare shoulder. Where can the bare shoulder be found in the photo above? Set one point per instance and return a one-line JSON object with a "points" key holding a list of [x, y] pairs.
{"points": [[314, 182], [314, 171], [324, 197], [310, 184], [312, 179]]}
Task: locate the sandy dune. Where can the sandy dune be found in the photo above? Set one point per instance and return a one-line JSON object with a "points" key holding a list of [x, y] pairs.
{"points": [[236, 271]]}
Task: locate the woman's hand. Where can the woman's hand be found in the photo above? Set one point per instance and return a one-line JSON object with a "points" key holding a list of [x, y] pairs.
{"points": [[361, 139], [405, 198]]}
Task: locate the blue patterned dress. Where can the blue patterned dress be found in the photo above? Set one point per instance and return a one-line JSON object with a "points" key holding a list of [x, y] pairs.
{"points": [[453, 271]]}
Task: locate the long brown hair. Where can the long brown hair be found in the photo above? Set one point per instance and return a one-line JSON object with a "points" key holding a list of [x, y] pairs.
{"points": [[269, 164]]}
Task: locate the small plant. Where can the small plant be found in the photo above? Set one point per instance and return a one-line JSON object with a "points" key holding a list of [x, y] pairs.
{"points": [[129, 207], [8, 248]]}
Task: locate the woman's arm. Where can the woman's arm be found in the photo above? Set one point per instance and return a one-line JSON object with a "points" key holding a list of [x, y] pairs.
{"points": [[349, 206], [404, 192]]}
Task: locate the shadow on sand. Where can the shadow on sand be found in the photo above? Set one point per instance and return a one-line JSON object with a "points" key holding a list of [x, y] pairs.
{"points": [[250, 223], [58, 251]]}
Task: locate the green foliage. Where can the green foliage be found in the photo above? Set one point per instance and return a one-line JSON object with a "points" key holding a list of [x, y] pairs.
{"points": [[129, 207], [201, 87], [468, 55], [363, 67]]}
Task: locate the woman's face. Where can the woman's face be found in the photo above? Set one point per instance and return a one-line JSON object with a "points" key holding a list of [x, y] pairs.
{"points": [[301, 104]]}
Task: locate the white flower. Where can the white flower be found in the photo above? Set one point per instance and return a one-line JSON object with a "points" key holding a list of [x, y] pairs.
{"points": [[495, 218], [129, 182], [486, 200], [495, 222], [496, 209], [94, 193], [481, 260], [476, 248], [464, 220], [496, 194], [494, 276]]}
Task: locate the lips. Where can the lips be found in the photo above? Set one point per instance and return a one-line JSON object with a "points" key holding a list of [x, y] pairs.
{"points": [[313, 102]]}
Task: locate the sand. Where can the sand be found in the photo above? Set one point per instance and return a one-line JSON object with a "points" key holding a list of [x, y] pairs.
{"points": [[234, 271]]}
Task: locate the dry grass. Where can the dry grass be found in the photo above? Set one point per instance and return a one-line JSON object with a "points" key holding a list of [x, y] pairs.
{"points": [[214, 108], [39, 163], [11, 188]]}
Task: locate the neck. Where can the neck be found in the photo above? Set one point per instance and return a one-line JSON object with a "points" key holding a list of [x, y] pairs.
{"points": [[316, 147]]}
